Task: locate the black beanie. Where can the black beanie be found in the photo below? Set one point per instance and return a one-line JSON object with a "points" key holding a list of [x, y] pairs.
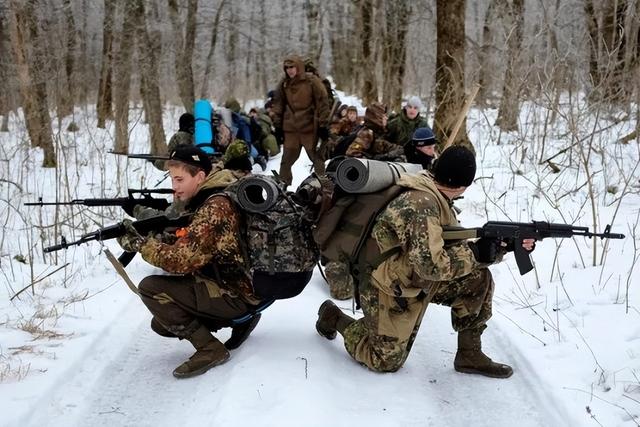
{"points": [[192, 156], [456, 167], [186, 122]]}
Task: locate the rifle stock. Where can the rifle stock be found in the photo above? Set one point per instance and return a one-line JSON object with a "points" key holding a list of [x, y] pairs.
{"points": [[517, 232]]}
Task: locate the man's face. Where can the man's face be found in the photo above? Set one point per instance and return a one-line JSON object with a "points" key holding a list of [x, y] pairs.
{"points": [[429, 150], [184, 185], [352, 116], [412, 112], [291, 71]]}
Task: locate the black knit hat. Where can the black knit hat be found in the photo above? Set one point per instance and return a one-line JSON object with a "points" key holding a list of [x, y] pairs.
{"points": [[456, 167], [192, 156], [187, 122]]}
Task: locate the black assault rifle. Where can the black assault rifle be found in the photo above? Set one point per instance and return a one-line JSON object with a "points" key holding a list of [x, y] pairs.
{"points": [[516, 232], [152, 157], [126, 203], [144, 227]]}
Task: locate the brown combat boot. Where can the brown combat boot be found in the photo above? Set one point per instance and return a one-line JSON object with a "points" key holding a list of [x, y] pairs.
{"points": [[471, 360], [331, 320], [209, 353], [240, 332]]}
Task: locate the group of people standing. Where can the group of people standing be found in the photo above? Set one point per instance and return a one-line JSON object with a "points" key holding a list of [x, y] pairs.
{"points": [[209, 288]]}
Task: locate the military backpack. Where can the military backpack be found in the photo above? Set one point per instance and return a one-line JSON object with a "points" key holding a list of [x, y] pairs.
{"points": [[280, 253]]}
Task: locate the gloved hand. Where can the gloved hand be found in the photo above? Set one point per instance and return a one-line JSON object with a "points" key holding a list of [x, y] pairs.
{"points": [[279, 134], [485, 250], [131, 241], [323, 133]]}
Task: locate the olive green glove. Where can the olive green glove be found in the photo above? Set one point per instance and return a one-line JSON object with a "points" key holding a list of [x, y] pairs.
{"points": [[131, 241]]}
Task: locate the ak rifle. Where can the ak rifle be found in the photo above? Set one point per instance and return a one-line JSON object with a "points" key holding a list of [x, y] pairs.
{"points": [[126, 203], [515, 232], [154, 224]]}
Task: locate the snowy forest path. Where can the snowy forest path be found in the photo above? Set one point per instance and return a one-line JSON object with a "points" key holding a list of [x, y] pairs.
{"points": [[285, 374]]}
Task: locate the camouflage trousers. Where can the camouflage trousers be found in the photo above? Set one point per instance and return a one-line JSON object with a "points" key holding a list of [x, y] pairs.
{"points": [[293, 144], [181, 304], [383, 338], [339, 279]]}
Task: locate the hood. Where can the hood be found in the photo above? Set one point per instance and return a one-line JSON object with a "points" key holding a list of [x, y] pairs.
{"points": [[296, 61], [373, 116]]}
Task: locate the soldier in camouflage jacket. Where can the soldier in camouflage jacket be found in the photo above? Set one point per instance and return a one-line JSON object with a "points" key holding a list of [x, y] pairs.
{"points": [[370, 142], [395, 295], [209, 285]]}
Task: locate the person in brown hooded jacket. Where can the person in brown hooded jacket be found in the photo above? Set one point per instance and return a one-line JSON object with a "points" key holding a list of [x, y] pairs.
{"points": [[300, 112]]}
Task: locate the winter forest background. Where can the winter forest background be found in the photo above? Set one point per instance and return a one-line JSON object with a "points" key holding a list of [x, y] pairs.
{"points": [[59, 54], [555, 127]]}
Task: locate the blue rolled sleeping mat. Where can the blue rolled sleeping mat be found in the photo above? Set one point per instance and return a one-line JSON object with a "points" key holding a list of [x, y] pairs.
{"points": [[203, 132]]}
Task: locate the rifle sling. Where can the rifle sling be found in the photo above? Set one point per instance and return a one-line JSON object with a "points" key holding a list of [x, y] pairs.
{"points": [[121, 271]]}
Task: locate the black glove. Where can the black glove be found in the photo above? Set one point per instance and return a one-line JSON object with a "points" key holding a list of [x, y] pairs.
{"points": [[323, 133], [279, 134], [485, 250]]}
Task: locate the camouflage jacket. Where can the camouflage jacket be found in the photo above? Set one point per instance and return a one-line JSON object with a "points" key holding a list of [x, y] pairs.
{"points": [[210, 247], [414, 221], [367, 145]]}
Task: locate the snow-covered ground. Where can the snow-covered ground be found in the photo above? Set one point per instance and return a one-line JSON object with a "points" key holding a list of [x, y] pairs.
{"points": [[76, 348]]}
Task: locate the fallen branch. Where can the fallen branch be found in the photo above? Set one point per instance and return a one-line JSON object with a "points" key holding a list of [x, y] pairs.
{"points": [[36, 281]]}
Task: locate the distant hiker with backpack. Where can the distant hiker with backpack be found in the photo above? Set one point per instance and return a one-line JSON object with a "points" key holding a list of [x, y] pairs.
{"points": [[209, 286], [401, 127], [405, 266], [184, 136], [369, 142], [300, 113]]}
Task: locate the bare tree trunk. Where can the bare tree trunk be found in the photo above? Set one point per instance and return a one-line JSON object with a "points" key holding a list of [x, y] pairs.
{"points": [[122, 76], [394, 52], [262, 63], [312, 8], [24, 33], [184, 45], [450, 93], [509, 106], [342, 37], [149, 49], [613, 35], [105, 98], [68, 97], [204, 89], [592, 27], [485, 73], [4, 60], [232, 49], [369, 90], [84, 61]]}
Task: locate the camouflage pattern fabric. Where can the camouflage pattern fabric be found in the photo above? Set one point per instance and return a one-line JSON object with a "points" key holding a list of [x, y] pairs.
{"points": [[383, 338], [340, 281], [396, 295], [210, 246], [237, 149], [180, 138]]}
